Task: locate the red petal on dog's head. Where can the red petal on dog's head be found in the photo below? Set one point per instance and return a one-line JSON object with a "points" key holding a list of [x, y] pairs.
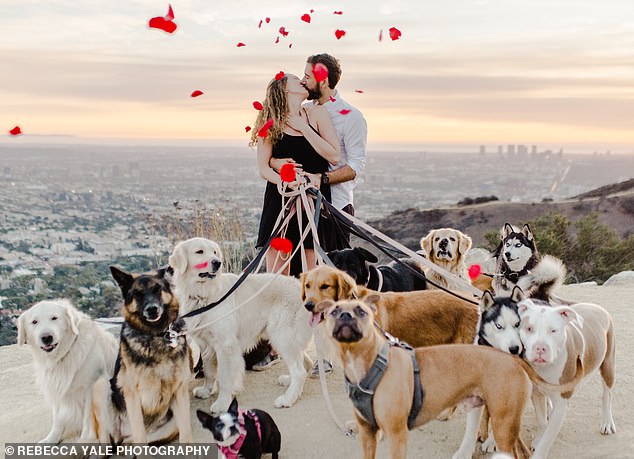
{"points": [[282, 244], [15, 131], [345, 111], [339, 33], [279, 75], [474, 271], [395, 34], [162, 24], [170, 13], [264, 130], [320, 72], [240, 45], [305, 18], [197, 93], [247, 128], [257, 105], [287, 173]]}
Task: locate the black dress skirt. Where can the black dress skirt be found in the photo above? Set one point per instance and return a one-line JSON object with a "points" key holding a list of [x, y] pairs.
{"points": [[299, 149]]}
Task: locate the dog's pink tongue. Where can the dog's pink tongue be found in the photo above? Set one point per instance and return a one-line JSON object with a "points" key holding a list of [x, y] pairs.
{"points": [[201, 265], [315, 319]]}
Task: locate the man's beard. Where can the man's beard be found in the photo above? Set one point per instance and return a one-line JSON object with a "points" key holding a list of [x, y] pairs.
{"points": [[313, 94]]}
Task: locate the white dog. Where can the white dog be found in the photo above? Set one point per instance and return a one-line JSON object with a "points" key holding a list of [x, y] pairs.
{"points": [[70, 352], [554, 339], [264, 306]]}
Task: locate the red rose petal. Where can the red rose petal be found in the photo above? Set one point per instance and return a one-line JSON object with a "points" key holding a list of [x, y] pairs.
{"points": [[338, 12], [305, 18], [240, 45], [15, 131], [381, 35], [339, 33], [247, 128], [283, 31], [257, 105], [162, 24], [345, 111], [474, 271], [170, 13], [312, 11], [287, 173], [260, 24], [197, 93], [267, 20], [320, 71], [264, 130], [332, 99], [282, 244], [360, 91], [277, 40], [395, 34], [279, 75], [290, 45]]}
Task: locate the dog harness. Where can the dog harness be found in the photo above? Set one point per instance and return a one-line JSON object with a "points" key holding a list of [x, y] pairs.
{"points": [[362, 394], [233, 451]]}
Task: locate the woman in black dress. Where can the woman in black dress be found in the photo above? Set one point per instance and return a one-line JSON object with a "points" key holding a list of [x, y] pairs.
{"points": [[308, 138]]}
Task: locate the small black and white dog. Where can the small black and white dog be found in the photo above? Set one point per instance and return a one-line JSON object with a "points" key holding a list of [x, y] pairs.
{"points": [[239, 433], [519, 263], [387, 278]]}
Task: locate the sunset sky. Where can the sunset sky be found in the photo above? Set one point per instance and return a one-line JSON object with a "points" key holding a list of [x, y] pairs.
{"points": [[547, 72]]}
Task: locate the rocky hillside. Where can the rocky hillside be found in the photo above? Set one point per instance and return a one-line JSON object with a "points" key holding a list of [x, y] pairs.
{"points": [[615, 204]]}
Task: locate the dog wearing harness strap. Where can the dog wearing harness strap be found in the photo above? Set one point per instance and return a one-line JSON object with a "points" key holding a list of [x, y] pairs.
{"points": [[451, 375]]}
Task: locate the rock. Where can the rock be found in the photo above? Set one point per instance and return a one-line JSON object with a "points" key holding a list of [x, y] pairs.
{"points": [[622, 278]]}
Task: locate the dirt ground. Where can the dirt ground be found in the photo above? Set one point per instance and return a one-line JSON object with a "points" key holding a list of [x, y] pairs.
{"points": [[308, 431]]}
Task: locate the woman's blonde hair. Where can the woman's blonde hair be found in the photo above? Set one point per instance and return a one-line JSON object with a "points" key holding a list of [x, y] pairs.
{"points": [[275, 107]]}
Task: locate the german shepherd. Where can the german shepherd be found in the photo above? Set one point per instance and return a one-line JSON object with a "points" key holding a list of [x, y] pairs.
{"points": [[151, 384]]}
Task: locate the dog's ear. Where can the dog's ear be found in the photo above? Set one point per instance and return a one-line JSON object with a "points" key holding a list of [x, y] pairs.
{"points": [[517, 294], [123, 278], [233, 408], [524, 306], [345, 284], [178, 259], [366, 254], [302, 280], [569, 315], [464, 243], [204, 418], [426, 243], [487, 300], [323, 306], [526, 231], [22, 329], [73, 315], [506, 230], [372, 300]]}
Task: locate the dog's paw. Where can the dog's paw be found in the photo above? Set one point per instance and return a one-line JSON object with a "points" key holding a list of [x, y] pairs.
{"points": [[283, 402], [608, 428], [202, 392], [488, 445], [352, 426], [284, 380], [219, 406]]}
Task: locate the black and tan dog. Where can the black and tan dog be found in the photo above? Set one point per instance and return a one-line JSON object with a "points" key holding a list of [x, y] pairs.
{"points": [[449, 375], [151, 384]]}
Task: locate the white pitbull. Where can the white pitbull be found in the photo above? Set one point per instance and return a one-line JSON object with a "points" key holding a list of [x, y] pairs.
{"points": [[554, 339]]}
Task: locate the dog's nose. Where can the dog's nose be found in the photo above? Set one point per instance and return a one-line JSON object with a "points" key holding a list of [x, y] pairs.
{"points": [[443, 243], [47, 339], [345, 316], [309, 305], [215, 265], [514, 350], [152, 311], [507, 254]]}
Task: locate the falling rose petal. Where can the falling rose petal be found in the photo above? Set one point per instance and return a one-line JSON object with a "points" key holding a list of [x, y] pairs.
{"points": [[282, 244], [257, 105], [312, 11], [279, 75], [395, 34], [283, 31], [240, 45], [267, 20], [162, 24], [277, 40], [264, 130], [260, 24], [247, 128], [15, 131], [339, 33], [320, 71], [332, 99], [381, 35], [338, 12], [306, 18], [170, 13], [345, 111], [474, 271], [290, 45], [197, 93], [360, 91], [287, 173]]}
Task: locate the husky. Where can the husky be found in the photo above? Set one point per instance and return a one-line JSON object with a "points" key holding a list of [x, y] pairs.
{"points": [[520, 263]]}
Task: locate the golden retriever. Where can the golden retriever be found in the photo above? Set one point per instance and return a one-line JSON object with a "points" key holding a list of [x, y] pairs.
{"points": [[447, 247]]}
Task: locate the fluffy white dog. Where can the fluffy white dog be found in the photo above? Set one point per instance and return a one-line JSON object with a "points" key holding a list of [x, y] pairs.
{"points": [[70, 352], [264, 306]]}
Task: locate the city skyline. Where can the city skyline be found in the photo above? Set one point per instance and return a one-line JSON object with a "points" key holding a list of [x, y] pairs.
{"points": [[463, 72]]}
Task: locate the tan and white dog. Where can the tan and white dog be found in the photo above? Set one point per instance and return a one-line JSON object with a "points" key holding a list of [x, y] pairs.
{"points": [[450, 375], [70, 353], [447, 248], [554, 338], [264, 306]]}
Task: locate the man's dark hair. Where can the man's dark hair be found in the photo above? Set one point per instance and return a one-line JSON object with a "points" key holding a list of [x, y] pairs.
{"points": [[332, 64]]}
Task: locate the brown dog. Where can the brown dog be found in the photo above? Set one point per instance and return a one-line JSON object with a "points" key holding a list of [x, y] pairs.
{"points": [[447, 248], [421, 318], [449, 375]]}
